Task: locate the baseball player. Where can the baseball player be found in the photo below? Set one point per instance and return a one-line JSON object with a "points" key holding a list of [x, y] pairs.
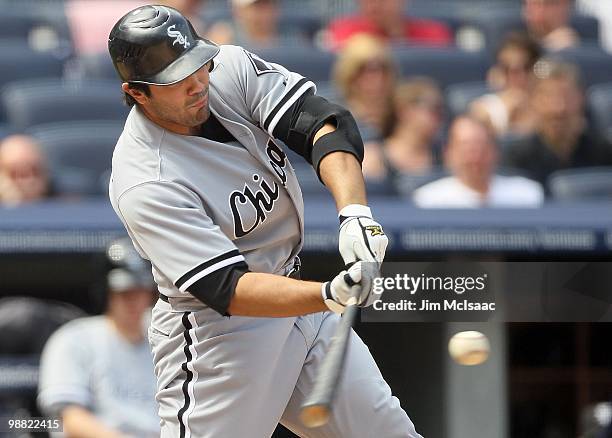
{"points": [[209, 197]]}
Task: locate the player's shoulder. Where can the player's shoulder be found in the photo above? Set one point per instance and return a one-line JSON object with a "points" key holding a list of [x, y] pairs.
{"points": [[139, 203], [138, 129], [231, 55], [138, 154]]}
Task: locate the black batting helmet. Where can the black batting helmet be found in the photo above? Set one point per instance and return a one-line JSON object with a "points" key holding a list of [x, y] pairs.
{"points": [[157, 45]]}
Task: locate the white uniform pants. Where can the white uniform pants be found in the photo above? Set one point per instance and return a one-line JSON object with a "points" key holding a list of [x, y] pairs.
{"points": [[230, 377]]}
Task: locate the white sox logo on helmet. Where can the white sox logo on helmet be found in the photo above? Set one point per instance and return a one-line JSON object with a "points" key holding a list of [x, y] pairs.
{"points": [[180, 38]]}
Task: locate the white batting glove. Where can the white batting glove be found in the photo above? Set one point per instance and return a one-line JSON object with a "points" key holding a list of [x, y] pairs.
{"points": [[361, 237], [351, 287]]}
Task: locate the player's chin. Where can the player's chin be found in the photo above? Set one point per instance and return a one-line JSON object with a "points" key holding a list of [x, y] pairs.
{"points": [[198, 116]]}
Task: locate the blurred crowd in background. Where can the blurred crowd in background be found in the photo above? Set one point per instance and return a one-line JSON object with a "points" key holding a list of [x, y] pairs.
{"points": [[461, 103]]}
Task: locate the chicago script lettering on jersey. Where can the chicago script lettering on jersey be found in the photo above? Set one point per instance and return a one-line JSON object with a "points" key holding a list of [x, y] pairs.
{"points": [[244, 203], [277, 159], [262, 202]]}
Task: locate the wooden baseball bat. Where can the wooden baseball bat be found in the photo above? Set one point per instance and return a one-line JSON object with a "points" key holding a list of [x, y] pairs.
{"points": [[316, 409]]}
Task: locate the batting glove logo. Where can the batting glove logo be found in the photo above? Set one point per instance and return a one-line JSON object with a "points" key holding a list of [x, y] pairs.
{"points": [[375, 230]]}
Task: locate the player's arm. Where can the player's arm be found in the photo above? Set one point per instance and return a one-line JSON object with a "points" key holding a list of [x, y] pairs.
{"points": [[341, 173], [260, 294], [326, 135], [269, 295]]}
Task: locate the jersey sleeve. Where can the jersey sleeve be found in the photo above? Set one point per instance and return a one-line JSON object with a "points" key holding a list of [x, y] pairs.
{"points": [[64, 373], [270, 89], [170, 225]]}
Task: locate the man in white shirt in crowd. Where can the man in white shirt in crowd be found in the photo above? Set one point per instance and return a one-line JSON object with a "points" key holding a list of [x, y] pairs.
{"points": [[96, 372], [471, 156]]}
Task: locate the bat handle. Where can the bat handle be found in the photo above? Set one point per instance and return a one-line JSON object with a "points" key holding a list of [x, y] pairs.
{"points": [[316, 409]]}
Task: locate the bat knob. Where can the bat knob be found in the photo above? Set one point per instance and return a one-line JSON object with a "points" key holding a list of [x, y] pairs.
{"points": [[314, 416]]}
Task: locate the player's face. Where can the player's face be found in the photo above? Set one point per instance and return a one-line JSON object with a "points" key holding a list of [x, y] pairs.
{"points": [[180, 107]]}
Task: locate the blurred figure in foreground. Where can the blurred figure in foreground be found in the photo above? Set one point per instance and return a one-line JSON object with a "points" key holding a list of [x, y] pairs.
{"points": [[471, 158], [365, 74], [562, 139], [512, 78], [23, 171], [411, 150], [96, 372], [548, 21], [254, 25], [386, 19]]}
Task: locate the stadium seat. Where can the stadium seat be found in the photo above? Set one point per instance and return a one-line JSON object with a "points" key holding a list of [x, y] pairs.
{"points": [[19, 62], [599, 102], [79, 154], [310, 62], [595, 64], [92, 66], [445, 65], [460, 96], [36, 102], [36, 22], [581, 184]]}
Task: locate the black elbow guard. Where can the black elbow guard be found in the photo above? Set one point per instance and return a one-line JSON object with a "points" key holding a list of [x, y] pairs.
{"points": [[315, 112]]}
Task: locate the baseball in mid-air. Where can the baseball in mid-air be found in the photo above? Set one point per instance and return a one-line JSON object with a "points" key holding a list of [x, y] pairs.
{"points": [[469, 347]]}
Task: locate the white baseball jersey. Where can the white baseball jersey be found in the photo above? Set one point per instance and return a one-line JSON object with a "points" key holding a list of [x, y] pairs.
{"points": [[194, 205]]}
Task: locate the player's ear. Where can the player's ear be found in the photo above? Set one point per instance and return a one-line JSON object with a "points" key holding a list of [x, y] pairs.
{"points": [[136, 93]]}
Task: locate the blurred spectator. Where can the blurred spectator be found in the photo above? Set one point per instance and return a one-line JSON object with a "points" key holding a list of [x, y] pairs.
{"points": [[365, 74], [562, 139], [190, 9], [23, 171], [471, 157], [91, 21], [254, 25], [411, 147], [548, 21], [96, 372], [507, 109], [387, 19]]}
